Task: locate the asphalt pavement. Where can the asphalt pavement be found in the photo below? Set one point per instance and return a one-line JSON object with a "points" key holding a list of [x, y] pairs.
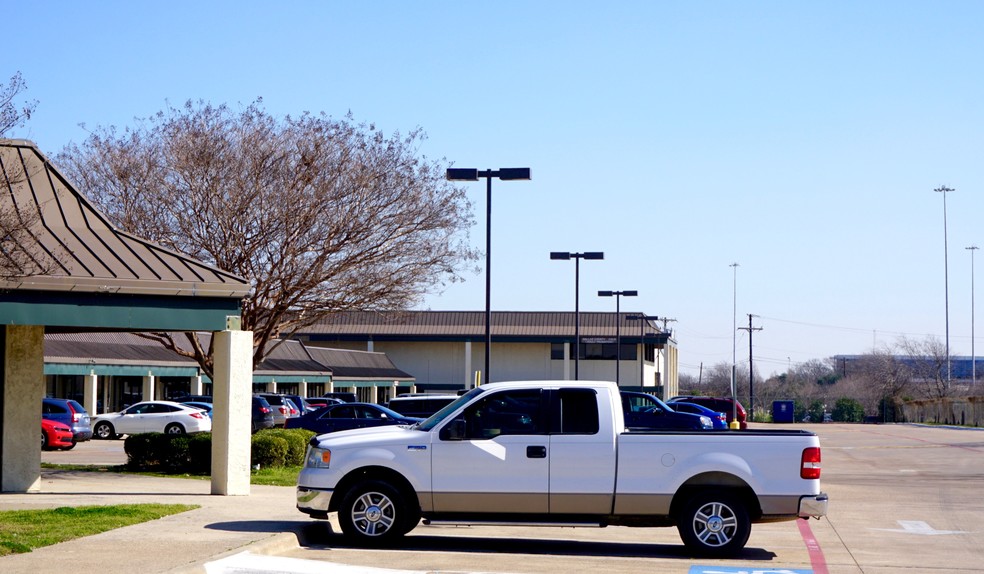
{"points": [[903, 498]]}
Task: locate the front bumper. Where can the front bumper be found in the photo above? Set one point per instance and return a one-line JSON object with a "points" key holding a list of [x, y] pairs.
{"points": [[314, 501], [813, 506]]}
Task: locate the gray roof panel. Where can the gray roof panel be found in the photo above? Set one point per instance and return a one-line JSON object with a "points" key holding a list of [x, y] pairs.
{"points": [[88, 253]]}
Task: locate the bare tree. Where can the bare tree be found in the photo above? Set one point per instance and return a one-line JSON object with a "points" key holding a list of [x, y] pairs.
{"points": [[21, 254], [320, 215], [927, 360], [886, 377], [715, 382], [13, 115]]}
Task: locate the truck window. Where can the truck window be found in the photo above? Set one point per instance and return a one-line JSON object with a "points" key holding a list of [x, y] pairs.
{"points": [[505, 413], [578, 411]]}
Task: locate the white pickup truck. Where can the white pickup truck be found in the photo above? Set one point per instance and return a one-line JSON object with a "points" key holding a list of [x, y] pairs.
{"points": [[557, 453]]}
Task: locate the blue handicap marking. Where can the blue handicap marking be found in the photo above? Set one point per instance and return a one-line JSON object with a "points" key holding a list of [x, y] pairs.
{"points": [[729, 570]]}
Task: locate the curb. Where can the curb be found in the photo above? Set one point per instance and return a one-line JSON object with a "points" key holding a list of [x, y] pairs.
{"points": [[271, 546]]}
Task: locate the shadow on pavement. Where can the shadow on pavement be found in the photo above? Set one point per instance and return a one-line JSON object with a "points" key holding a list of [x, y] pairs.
{"points": [[320, 536], [260, 526]]}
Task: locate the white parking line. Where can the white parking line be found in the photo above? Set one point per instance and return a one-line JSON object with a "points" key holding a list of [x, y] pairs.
{"points": [[249, 563]]}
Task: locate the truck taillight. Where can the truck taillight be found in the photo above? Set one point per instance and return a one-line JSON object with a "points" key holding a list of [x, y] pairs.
{"points": [[810, 467]]}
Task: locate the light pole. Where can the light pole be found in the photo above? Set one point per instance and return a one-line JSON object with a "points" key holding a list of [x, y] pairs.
{"points": [[577, 257], [505, 174], [618, 325], [643, 319], [946, 281], [734, 347], [973, 355]]}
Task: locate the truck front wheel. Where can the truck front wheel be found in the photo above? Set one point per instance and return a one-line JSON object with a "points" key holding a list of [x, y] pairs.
{"points": [[374, 513], [714, 525]]}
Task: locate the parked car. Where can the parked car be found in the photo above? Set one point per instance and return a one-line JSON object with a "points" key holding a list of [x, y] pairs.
{"points": [[70, 413], [645, 411], [717, 404], [720, 420], [421, 406], [344, 397], [300, 402], [262, 414], [320, 402], [283, 408], [207, 407], [347, 416], [152, 416], [56, 435], [197, 398]]}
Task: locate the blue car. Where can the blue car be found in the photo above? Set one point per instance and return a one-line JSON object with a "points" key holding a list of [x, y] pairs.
{"points": [[345, 416], [720, 420], [70, 413], [645, 411]]}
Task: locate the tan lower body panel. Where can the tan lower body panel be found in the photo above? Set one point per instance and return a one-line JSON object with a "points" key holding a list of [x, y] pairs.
{"points": [[483, 502]]}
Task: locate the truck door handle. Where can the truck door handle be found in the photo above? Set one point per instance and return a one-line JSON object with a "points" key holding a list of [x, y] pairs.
{"points": [[536, 452]]}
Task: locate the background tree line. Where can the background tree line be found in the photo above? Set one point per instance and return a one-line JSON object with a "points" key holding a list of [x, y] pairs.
{"points": [[874, 384]]}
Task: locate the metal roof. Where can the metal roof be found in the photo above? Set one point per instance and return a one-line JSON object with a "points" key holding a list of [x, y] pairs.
{"points": [[85, 252], [109, 348], [289, 358], [469, 324], [357, 364]]}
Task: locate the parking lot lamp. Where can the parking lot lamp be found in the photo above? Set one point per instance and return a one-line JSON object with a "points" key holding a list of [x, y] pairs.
{"points": [[618, 326], [577, 257], [470, 174]]}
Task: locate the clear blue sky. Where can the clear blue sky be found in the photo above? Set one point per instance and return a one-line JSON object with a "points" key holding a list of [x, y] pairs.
{"points": [[802, 140]]}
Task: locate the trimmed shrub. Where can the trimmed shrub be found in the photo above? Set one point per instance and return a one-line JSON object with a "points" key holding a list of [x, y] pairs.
{"points": [[157, 451], [268, 450], [200, 453], [297, 441]]}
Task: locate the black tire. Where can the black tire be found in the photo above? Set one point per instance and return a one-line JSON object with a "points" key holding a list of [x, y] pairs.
{"points": [[375, 513], [714, 525], [104, 431], [44, 441], [174, 428]]}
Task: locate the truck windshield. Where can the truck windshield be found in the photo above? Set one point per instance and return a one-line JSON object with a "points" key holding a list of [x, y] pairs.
{"points": [[436, 418]]}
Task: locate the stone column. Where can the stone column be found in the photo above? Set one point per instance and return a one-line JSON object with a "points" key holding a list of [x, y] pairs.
{"points": [[195, 385], [20, 419], [90, 392], [231, 423], [147, 393], [469, 380], [567, 361]]}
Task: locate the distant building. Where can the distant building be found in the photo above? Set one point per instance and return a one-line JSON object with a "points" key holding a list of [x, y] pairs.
{"points": [[124, 368], [445, 350]]}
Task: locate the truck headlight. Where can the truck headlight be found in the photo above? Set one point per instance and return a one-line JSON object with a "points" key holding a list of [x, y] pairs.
{"points": [[317, 457]]}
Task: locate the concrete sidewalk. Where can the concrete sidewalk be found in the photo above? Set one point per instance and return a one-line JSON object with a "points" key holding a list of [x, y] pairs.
{"points": [[265, 522]]}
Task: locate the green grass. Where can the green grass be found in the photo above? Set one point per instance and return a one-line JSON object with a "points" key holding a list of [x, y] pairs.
{"points": [[24, 530], [272, 476], [276, 476]]}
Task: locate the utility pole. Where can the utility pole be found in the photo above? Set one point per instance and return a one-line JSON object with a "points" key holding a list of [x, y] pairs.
{"points": [[665, 321], [751, 387]]}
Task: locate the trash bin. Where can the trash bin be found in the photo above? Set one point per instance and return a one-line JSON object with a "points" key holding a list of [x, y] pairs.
{"points": [[782, 412]]}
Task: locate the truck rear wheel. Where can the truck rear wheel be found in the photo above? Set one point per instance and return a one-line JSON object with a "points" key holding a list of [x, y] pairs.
{"points": [[374, 513], [714, 524]]}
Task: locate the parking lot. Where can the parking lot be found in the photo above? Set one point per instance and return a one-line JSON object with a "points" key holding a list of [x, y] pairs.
{"points": [[903, 499]]}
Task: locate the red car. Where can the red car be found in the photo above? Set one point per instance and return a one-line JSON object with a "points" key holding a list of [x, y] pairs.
{"points": [[56, 435]]}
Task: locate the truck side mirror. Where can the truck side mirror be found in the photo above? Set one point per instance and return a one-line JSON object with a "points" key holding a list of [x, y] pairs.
{"points": [[454, 430]]}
